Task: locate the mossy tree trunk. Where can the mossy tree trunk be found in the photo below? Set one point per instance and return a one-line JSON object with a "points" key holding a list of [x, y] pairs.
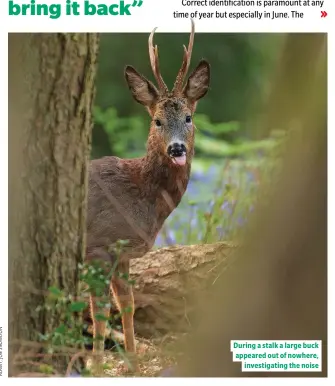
{"points": [[51, 89]]}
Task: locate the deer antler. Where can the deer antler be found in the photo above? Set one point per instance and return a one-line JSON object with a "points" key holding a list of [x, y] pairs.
{"points": [[153, 53], [186, 63]]}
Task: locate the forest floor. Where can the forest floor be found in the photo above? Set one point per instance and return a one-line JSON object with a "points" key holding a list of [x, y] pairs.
{"points": [[152, 357]]}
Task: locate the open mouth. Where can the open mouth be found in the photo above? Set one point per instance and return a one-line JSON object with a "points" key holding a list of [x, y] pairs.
{"points": [[181, 160], [177, 152]]}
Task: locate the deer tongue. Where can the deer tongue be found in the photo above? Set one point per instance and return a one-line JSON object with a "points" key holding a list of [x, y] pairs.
{"points": [[181, 161]]}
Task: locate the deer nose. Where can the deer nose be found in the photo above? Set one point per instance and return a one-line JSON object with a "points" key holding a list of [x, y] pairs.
{"points": [[176, 149]]}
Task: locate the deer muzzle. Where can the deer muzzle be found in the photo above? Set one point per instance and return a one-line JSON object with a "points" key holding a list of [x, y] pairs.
{"points": [[177, 152]]}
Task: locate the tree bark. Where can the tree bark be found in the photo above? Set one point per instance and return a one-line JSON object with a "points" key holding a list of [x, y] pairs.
{"points": [[51, 89]]}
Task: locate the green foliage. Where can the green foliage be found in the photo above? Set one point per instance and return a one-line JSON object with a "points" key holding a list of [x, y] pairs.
{"points": [[241, 65], [95, 278], [216, 129], [77, 306], [127, 136], [46, 369], [216, 146]]}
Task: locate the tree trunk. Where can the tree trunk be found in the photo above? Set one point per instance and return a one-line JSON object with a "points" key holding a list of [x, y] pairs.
{"points": [[51, 88], [298, 53], [277, 286]]}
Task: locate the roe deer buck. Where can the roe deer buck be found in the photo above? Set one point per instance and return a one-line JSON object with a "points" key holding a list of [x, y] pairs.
{"points": [[129, 199]]}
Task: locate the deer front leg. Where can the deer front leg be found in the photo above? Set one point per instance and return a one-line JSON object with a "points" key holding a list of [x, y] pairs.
{"points": [[123, 295], [99, 297], [99, 331]]}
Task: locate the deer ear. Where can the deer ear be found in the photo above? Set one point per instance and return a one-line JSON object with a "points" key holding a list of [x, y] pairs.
{"points": [[198, 82], [142, 89]]}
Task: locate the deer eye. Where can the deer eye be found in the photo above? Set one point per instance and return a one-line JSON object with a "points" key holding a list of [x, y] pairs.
{"points": [[158, 123], [188, 119]]}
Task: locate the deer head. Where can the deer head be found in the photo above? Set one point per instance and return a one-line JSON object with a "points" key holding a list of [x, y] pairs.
{"points": [[172, 128]]}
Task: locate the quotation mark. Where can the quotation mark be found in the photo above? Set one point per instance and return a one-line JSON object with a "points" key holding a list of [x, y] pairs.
{"points": [[137, 3]]}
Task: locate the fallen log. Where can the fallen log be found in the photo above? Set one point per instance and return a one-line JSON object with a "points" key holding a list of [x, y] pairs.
{"points": [[169, 283]]}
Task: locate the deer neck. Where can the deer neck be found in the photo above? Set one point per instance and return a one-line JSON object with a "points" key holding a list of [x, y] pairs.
{"points": [[162, 182]]}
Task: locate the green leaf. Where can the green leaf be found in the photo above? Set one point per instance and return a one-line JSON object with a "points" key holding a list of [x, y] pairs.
{"points": [[123, 242], [101, 318], [46, 369], [86, 373], [77, 306], [55, 291], [61, 329], [43, 337]]}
